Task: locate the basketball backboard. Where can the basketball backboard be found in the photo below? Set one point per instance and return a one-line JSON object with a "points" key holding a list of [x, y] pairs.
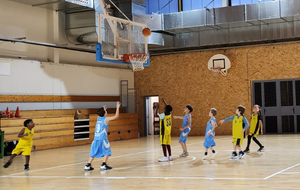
{"points": [[117, 37], [219, 63]]}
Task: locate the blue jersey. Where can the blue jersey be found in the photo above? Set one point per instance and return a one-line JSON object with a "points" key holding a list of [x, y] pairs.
{"points": [[101, 129], [210, 127], [185, 122]]}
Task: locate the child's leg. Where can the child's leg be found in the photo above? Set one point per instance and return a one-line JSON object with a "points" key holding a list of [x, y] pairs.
{"points": [[185, 149], [164, 148], [27, 159], [182, 146], [12, 157], [105, 158], [91, 160], [169, 149], [257, 142], [239, 148], [248, 142]]}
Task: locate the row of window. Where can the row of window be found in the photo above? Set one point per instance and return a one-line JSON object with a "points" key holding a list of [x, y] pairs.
{"points": [[171, 6]]}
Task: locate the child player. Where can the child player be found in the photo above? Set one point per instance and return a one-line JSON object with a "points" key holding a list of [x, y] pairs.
{"points": [[239, 125], [209, 142]]}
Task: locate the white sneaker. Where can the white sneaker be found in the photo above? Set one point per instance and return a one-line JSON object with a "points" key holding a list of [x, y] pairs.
{"points": [[164, 159], [170, 158], [182, 155], [186, 154], [214, 154], [204, 157]]}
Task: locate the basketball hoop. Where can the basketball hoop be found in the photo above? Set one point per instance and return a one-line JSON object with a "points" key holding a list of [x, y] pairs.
{"points": [[137, 60], [215, 71]]}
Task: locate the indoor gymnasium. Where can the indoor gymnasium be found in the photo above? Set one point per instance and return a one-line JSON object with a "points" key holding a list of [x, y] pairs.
{"points": [[149, 94]]}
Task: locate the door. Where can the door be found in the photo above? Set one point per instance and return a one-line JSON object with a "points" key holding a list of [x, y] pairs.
{"points": [[280, 104]]}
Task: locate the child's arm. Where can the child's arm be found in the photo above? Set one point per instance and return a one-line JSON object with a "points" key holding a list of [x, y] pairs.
{"points": [[261, 127], [246, 124], [115, 116], [21, 134], [164, 101], [189, 124], [226, 119], [178, 117], [214, 125]]}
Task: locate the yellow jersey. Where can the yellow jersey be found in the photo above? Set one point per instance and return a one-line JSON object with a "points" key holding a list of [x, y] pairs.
{"points": [[166, 125], [254, 125], [237, 127], [26, 140]]}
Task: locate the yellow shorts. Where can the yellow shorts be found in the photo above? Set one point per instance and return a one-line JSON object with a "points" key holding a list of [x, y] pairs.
{"points": [[254, 135], [165, 139], [25, 150], [238, 141]]}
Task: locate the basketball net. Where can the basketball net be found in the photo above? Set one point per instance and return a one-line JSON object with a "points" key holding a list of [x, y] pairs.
{"points": [[137, 60], [217, 70]]}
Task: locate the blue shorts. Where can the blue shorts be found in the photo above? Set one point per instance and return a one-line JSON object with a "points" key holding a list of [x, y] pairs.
{"points": [[209, 142], [100, 148], [183, 135]]}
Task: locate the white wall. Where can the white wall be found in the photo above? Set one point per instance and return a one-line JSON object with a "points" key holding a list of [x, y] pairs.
{"points": [[37, 78], [33, 78], [151, 115]]}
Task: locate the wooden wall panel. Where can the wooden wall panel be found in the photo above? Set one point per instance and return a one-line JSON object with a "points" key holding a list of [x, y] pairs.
{"points": [[56, 98], [187, 80]]}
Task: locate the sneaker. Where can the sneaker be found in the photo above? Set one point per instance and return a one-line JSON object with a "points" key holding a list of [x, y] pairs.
{"points": [[241, 154], [88, 167], [164, 159], [261, 149], [214, 154], [106, 167], [234, 155], [182, 155], [247, 150], [7, 165], [26, 167], [186, 153], [170, 158], [204, 157]]}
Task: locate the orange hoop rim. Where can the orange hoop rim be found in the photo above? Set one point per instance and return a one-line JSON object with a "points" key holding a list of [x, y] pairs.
{"points": [[138, 55]]}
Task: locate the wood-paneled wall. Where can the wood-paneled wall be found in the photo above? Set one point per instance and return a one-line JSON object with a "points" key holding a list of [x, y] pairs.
{"points": [[54, 132], [53, 98], [185, 79]]}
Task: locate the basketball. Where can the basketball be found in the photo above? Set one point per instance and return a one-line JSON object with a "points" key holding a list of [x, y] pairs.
{"points": [[146, 32]]}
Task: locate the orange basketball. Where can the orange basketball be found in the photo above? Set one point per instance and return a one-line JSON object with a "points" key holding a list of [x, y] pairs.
{"points": [[146, 32]]}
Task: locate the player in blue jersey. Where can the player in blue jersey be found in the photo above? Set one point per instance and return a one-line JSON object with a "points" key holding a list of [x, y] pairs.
{"points": [[186, 128], [100, 146], [209, 141]]}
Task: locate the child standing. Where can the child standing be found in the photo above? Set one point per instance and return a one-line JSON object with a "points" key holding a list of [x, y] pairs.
{"points": [[186, 128], [239, 125], [209, 141], [165, 132], [24, 145], [255, 125], [100, 146]]}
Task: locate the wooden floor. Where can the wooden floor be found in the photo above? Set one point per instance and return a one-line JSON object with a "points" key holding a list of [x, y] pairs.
{"points": [[136, 167]]}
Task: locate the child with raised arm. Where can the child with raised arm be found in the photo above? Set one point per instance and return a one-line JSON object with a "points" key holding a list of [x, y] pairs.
{"points": [[239, 126], [165, 132], [100, 146]]}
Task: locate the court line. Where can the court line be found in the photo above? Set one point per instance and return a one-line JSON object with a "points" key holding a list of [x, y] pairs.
{"points": [[155, 165], [135, 177], [268, 177], [286, 173], [66, 165]]}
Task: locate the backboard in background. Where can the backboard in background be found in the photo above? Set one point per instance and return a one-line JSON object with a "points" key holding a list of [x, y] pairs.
{"points": [[219, 63], [117, 37]]}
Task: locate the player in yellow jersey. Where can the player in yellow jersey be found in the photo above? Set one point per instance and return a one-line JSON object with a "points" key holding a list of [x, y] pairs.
{"points": [[165, 132], [239, 125], [255, 126], [24, 145]]}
